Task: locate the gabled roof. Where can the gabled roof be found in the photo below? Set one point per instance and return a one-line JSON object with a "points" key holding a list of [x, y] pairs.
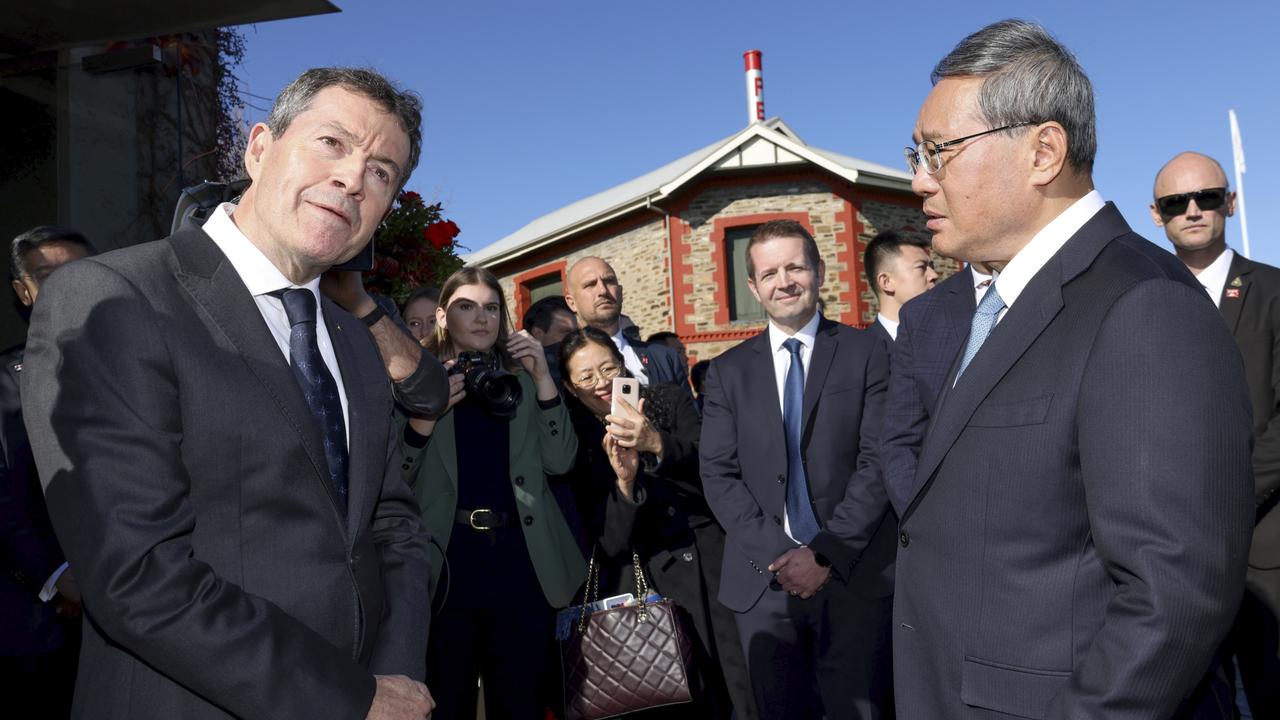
{"points": [[770, 143]]}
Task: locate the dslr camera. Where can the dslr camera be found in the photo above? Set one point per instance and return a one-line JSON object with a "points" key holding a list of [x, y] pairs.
{"points": [[488, 380]]}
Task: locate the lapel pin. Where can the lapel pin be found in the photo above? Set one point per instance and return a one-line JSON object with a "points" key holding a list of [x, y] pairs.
{"points": [[1237, 282], [1233, 292]]}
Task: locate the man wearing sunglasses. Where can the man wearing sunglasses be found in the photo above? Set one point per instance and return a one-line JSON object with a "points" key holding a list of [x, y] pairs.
{"points": [[1192, 204], [1074, 542]]}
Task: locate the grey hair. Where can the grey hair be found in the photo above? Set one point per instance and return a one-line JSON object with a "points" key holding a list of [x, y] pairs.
{"points": [[1028, 77], [404, 104]]}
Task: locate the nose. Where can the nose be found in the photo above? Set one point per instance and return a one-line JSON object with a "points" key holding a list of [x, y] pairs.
{"points": [[922, 183], [931, 275], [348, 174], [1193, 210]]}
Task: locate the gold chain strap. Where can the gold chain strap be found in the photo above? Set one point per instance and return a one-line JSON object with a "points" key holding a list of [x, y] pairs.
{"points": [[591, 592], [642, 588]]}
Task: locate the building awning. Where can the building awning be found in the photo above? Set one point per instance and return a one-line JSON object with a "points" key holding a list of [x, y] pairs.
{"points": [[30, 27]]}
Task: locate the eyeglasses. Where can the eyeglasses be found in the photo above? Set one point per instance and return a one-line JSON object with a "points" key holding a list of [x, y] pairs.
{"points": [[1207, 199], [588, 380], [932, 152]]}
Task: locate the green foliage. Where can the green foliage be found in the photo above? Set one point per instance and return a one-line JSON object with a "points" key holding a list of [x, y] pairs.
{"points": [[413, 247]]}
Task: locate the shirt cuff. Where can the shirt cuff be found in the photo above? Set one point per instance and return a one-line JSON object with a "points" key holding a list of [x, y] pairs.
{"points": [[414, 439], [548, 404], [49, 590]]}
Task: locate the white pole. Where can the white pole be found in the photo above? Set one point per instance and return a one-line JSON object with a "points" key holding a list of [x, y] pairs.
{"points": [[755, 86], [1237, 150]]}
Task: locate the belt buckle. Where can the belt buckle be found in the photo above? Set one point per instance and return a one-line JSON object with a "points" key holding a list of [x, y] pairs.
{"points": [[475, 525]]}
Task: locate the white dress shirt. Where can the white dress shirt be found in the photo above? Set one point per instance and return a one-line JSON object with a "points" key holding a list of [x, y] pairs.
{"points": [[263, 278], [890, 325], [1015, 276], [1214, 277], [630, 358], [781, 364], [980, 283]]}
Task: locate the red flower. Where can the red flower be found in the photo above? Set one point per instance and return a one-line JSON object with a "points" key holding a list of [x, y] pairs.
{"points": [[409, 197], [441, 234]]}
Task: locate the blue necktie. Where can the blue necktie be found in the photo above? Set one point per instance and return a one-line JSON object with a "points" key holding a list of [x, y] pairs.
{"points": [[984, 320], [803, 523], [318, 386]]}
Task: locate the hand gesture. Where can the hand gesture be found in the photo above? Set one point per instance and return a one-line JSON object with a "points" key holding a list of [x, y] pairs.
{"points": [[799, 573], [399, 698], [632, 429], [626, 465], [529, 352]]}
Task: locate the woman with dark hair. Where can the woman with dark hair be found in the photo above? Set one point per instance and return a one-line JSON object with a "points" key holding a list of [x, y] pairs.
{"points": [[638, 489], [505, 557], [419, 312]]}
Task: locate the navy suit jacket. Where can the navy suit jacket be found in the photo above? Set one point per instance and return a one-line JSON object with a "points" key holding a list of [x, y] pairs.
{"points": [[932, 328], [744, 461], [1075, 541]]}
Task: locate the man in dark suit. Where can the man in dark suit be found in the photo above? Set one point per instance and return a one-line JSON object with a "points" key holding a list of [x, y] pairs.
{"points": [[1075, 542], [931, 329], [788, 453], [898, 269], [39, 597], [216, 442], [1192, 204], [594, 294]]}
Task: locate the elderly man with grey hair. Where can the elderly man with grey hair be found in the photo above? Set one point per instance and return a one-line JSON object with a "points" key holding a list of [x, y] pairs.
{"points": [[1074, 542], [216, 443]]}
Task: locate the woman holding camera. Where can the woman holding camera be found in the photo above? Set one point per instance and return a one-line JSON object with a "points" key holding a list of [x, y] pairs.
{"points": [[639, 489], [505, 556]]}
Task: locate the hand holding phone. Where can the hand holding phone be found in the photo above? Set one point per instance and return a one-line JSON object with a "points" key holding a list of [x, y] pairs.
{"points": [[624, 389]]}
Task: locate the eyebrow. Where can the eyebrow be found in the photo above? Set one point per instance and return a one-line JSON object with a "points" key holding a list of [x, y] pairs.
{"points": [[351, 139]]}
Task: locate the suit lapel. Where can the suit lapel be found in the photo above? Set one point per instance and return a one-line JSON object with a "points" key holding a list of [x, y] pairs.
{"points": [[218, 290], [764, 388], [1037, 306], [363, 448], [824, 349], [1238, 283]]}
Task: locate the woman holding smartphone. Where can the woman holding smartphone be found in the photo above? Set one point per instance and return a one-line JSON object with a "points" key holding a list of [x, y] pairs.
{"points": [[506, 558], [639, 489]]}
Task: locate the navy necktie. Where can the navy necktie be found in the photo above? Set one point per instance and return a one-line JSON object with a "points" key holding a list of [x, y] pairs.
{"points": [[800, 517], [984, 321], [318, 386]]}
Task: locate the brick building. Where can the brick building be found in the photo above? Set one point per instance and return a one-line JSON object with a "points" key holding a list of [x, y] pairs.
{"points": [[677, 235]]}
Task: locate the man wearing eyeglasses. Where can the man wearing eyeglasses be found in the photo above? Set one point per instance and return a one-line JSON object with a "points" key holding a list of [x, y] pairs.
{"points": [[1074, 542], [1192, 204]]}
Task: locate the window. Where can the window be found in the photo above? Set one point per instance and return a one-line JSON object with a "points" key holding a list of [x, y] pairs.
{"points": [[544, 287], [742, 305]]}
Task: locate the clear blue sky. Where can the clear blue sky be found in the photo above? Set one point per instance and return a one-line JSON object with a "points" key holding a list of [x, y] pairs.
{"points": [[531, 106]]}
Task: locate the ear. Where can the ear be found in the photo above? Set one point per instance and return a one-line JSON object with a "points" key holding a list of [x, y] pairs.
{"points": [[442, 318], [1158, 219], [884, 282], [755, 292], [573, 304], [1049, 154], [822, 273], [1231, 204], [21, 291], [260, 139]]}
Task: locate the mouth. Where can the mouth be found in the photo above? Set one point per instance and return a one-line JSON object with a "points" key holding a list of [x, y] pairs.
{"points": [[934, 220], [332, 211], [606, 396]]}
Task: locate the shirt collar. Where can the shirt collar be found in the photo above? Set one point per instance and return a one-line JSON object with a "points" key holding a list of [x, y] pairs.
{"points": [[979, 279], [253, 267], [805, 335], [890, 325], [1015, 277], [1214, 277], [619, 339]]}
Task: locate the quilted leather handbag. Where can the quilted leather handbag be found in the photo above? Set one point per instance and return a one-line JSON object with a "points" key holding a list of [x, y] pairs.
{"points": [[626, 658]]}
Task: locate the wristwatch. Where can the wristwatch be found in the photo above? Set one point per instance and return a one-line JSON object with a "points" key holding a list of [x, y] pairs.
{"points": [[376, 314]]}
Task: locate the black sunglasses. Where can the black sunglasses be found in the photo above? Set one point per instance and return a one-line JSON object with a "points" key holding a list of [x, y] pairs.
{"points": [[1207, 199]]}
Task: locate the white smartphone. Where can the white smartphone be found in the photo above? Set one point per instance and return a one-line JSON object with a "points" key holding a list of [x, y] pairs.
{"points": [[625, 389]]}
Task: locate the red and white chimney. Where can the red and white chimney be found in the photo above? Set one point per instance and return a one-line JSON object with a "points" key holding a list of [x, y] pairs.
{"points": [[755, 87]]}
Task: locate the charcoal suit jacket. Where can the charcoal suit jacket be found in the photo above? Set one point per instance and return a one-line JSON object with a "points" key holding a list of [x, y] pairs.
{"points": [[1074, 545], [186, 478]]}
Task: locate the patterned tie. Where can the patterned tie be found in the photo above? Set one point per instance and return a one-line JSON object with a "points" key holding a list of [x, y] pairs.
{"points": [[984, 319], [318, 385], [803, 523]]}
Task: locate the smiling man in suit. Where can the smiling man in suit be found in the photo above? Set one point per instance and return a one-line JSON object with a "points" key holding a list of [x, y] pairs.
{"points": [[1074, 544], [216, 443], [788, 454], [1192, 204]]}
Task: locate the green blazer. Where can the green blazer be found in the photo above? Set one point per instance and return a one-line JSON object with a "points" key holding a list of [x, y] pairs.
{"points": [[542, 441]]}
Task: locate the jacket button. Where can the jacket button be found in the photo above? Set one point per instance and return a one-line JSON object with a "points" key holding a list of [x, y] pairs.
{"points": [[904, 538], [782, 479], [552, 423], [777, 520], [671, 511], [404, 466], [519, 479], [528, 519], [687, 557], [555, 432]]}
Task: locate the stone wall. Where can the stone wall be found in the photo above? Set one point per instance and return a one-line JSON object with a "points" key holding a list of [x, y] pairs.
{"points": [[908, 220]]}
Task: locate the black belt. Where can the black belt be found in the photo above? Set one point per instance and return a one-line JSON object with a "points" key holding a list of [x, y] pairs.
{"points": [[483, 519]]}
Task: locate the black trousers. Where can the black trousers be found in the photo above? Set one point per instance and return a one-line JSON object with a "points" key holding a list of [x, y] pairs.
{"points": [[827, 656], [495, 624]]}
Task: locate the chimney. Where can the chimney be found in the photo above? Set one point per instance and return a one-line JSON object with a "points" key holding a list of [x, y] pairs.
{"points": [[755, 87]]}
